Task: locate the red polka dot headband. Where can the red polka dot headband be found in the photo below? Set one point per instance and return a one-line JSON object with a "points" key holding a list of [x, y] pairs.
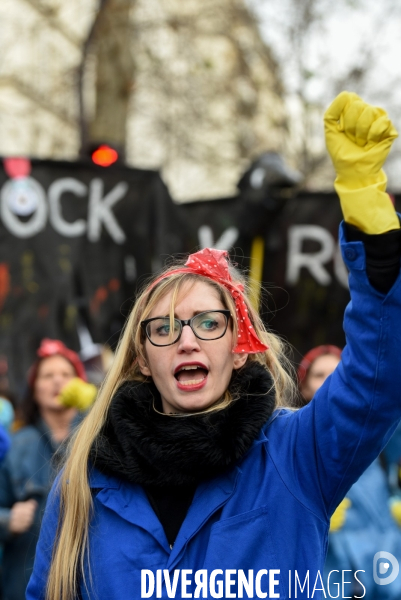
{"points": [[213, 264]]}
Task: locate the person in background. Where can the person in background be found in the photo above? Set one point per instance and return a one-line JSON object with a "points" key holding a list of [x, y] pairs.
{"points": [[363, 523], [314, 368], [27, 472]]}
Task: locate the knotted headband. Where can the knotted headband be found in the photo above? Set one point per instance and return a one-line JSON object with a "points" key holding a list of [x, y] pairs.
{"points": [[213, 264]]}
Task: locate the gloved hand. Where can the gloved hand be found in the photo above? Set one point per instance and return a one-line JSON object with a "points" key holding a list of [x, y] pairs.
{"points": [[78, 394], [359, 137], [339, 515]]}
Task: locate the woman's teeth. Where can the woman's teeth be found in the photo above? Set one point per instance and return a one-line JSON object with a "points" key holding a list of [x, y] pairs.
{"points": [[191, 375], [192, 381]]}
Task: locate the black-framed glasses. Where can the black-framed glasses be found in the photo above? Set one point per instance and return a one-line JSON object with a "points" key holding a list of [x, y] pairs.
{"points": [[208, 325]]}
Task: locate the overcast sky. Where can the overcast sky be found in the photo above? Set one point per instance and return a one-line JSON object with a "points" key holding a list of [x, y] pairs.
{"points": [[336, 44], [340, 35]]}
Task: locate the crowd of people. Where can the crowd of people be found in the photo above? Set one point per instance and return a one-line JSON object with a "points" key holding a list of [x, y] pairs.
{"points": [[202, 450], [46, 419]]}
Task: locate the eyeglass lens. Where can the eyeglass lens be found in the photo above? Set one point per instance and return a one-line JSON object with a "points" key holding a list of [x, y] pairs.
{"points": [[206, 326]]}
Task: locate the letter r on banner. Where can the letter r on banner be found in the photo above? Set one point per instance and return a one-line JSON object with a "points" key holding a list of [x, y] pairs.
{"points": [[314, 262]]}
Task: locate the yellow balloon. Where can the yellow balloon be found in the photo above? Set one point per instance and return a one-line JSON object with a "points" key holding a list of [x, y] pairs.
{"points": [[78, 394]]}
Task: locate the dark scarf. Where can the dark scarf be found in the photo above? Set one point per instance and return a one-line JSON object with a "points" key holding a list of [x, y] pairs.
{"points": [[143, 446]]}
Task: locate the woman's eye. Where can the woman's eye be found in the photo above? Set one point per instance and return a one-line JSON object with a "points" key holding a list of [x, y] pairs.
{"points": [[163, 330], [209, 324]]}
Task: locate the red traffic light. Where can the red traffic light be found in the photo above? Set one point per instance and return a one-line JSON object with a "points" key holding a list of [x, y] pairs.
{"points": [[104, 156]]}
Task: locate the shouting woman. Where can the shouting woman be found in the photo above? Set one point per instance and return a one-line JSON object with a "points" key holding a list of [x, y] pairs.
{"points": [[189, 477]]}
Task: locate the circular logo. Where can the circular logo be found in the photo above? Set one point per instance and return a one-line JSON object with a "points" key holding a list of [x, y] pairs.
{"points": [[22, 196], [381, 568]]}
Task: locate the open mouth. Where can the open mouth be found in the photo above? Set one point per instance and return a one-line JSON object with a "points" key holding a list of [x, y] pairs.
{"points": [[190, 375]]}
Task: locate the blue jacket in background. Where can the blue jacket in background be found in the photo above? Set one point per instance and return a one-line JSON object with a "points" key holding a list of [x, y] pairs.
{"points": [[4, 442], [27, 472], [272, 510], [369, 527]]}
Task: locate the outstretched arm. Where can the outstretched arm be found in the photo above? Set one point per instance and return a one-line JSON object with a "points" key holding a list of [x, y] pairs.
{"points": [[335, 437]]}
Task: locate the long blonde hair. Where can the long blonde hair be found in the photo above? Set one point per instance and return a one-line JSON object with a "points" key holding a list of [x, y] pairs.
{"points": [[71, 547]]}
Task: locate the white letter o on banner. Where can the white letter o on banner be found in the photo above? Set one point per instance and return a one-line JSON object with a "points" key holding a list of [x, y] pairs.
{"points": [[12, 222]]}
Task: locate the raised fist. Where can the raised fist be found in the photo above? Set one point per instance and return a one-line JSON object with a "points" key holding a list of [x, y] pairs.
{"points": [[359, 137]]}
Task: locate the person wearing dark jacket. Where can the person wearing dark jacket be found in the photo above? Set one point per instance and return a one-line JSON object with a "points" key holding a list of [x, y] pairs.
{"points": [[188, 478], [28, 471]]}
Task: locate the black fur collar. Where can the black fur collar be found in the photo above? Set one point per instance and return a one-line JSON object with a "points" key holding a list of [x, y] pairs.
{"points": [[146, 447]]}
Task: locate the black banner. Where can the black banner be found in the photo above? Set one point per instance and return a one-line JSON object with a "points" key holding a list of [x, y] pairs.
{"points": [[76, 239]]}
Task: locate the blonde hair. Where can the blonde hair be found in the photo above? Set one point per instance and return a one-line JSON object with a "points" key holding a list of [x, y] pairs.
{"points": [[71, 548]]}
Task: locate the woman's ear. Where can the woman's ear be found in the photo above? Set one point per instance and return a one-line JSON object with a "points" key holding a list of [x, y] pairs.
{"points": [[239, 360], [143, 366]]}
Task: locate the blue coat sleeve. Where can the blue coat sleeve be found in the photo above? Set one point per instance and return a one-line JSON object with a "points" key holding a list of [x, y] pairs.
{"points": [[36, 589], [4, 442], [323, 448], [5, 487]]}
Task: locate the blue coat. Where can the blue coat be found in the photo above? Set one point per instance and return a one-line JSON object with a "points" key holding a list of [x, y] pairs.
{"points": [[4, 442], [27, 472], [270, 512]]}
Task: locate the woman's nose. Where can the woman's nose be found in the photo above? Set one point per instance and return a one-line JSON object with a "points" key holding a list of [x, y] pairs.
{"points": [[188, 340], [59, 379]]}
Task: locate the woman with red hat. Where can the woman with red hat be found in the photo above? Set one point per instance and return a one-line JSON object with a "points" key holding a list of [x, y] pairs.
{"points": [[27, 472], [188, 478], [315, 367]]}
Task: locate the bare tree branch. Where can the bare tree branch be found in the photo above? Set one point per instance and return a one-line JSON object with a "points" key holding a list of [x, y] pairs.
{"points": [[33, 94], [83, 125], [49, 14], [109, 40]]}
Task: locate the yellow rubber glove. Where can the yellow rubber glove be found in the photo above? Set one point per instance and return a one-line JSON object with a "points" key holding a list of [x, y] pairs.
{"points": [[339, 515], [359, 137], [78, 394], [395, 507]]}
